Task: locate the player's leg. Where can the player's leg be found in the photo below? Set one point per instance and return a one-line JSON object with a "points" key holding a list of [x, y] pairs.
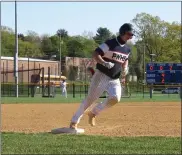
{"points": [[62, 91], [114, 92], [97, 87], [66, 93]]}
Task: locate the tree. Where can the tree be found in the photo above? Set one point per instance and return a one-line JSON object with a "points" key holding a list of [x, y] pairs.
{"points": [[46, 45], [102, 35], [25, 48], [132, 58], [172, 42], [21, 36], [138, 62], [89, 47], [55, 46], [8, 43], [62, 33], [7, 29], [75, 48], [79, 46], [32, 36], [157, 36], [28, 49], [88, 35]]}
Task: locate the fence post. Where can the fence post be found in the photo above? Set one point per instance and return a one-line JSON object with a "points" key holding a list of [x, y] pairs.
{"points": [[80, 90], [3, 78], [7, 71], [73, 90], [22, 80], [40, 79], [43, 82], [34, 68], [49, 81], [28, 78], [151, 90], [85, 89], [143, 88]]}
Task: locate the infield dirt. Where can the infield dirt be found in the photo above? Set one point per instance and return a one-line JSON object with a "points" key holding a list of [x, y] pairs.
{"points": [[134, 119]]}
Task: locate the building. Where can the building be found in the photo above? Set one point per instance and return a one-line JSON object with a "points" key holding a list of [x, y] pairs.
{"points": [[26, 68]]}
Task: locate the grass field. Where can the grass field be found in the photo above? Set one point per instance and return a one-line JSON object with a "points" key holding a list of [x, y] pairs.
{"points": [[78, 99], [46, 143]]}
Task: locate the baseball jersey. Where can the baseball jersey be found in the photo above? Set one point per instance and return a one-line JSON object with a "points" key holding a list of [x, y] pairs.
{"points": [[116, 51], [63, 84]]}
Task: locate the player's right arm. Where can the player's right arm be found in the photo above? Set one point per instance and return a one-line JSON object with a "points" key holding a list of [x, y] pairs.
{"points": [[98, 57], [99, 52]]}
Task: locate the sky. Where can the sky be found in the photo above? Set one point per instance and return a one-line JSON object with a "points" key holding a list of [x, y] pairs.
{"points": [[77, 17]]}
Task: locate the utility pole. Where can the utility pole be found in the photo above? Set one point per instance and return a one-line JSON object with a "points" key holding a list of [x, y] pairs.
{"points": [[143, 69], [60, 71]]}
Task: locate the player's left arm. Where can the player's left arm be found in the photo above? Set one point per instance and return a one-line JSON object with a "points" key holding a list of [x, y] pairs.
{"points": [[125, 69]]}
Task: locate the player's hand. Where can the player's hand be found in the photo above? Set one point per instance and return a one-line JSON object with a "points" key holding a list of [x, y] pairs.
{"points": [[109, 65], [123, 81]]}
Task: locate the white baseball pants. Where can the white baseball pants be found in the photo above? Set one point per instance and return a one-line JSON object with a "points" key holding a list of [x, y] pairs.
{"points": [[99, 83], [64, 92]]}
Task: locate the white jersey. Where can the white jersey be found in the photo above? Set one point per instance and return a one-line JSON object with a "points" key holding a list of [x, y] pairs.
{"points": [[64, 91], [63, 85]]}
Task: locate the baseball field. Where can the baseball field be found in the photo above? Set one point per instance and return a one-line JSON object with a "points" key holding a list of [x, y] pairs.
{"points": [[134, 126]]}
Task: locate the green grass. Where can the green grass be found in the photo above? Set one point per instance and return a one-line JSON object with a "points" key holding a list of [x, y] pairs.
{"points": [[45, 143], [78, 99], [39, 99]]}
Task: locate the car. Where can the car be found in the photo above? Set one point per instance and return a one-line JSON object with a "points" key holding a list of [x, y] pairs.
{"points": [[170, 91]]}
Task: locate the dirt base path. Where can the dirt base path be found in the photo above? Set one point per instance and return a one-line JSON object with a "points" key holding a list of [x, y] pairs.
{"points": [[135, 119]]}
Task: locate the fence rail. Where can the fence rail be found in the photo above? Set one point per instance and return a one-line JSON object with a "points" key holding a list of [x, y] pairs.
{"points": [[79, 89], [33, 82]]}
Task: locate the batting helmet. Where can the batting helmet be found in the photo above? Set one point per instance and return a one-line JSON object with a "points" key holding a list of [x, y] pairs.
{"points": [[126, 28]]}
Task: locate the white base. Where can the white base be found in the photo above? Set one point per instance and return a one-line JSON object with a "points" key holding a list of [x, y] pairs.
{"points": [[67, 130]]}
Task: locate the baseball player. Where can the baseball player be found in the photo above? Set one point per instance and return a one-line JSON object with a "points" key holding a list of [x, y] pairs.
{"points": [[112, 63], [63, 86]]}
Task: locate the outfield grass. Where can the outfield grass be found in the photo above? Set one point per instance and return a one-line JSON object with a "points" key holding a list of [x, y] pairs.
{"points": [[45, 143], [78, 99]]}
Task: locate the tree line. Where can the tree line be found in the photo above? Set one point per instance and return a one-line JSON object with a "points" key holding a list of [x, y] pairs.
{"points": [[154, 36]]}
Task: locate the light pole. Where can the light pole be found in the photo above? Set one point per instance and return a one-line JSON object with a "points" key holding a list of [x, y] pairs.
{"points": [[181, 62], [16, 53], [60, 55], [143, 70]]}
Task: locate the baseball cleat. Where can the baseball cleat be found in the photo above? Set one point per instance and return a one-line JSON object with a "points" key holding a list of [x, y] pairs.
{"points": [[73, 125], [91, 119]]}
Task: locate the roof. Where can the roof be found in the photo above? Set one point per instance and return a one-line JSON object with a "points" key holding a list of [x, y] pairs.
{"points": [[25, 59], [54, 76]]}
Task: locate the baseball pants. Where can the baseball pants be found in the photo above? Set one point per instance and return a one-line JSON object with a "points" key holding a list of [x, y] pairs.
{"points": [[99, 83]]}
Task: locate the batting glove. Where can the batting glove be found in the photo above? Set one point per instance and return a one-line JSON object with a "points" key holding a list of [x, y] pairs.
{"points": [[109, 65]]}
